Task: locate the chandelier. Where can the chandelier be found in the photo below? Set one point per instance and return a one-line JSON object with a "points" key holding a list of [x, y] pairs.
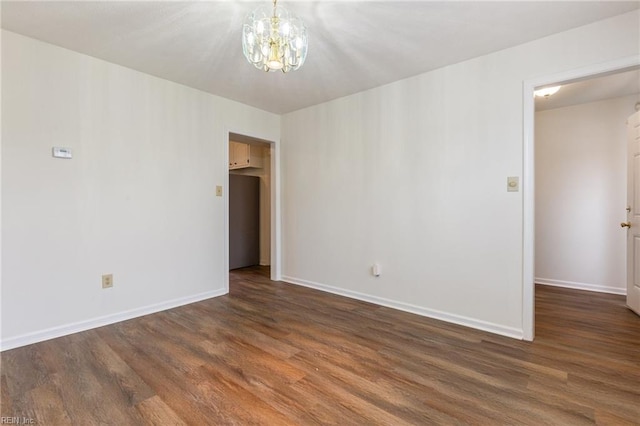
{"points": [[274, 39]]}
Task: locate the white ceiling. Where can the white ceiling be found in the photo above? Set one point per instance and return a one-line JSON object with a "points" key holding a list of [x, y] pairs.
{"points": [[354, 45]]}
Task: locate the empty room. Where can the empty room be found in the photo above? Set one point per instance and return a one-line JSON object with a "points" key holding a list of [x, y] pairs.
{"points": [[320, 212]]}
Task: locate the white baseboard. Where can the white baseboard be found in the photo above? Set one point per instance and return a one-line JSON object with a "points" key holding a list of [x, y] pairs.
{"points": [[406, 307], [64, 330], [581, 286]]}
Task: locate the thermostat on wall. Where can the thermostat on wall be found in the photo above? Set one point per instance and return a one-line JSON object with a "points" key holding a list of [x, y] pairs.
{"points": [[59, 152]]}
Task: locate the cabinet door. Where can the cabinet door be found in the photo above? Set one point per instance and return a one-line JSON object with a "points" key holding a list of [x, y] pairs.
{"points": [[232, 154], [242, 155], [238, 155]]}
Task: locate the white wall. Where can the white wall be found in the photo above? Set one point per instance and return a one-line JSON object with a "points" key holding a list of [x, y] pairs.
{"points": [[581, 184], [137, 200], [413, 175]]}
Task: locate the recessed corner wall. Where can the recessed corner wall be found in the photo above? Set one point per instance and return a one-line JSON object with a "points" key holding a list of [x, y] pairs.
{"points": [[413, 176], [137, 200]]}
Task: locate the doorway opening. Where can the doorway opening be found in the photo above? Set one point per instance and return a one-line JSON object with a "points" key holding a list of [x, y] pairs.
{"points": [[573, 81], [581, 180], [252, 214]]}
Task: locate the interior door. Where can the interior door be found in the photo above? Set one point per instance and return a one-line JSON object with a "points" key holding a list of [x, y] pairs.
{"points": [[244, 221], [633, 216]]}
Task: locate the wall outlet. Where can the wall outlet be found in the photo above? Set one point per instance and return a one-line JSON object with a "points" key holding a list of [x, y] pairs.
{"points": [[376, 270], [107, 281]]}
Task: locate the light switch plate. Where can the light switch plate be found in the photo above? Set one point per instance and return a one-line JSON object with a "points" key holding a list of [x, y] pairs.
{"points": [[218, 191], [513, 184], [60, 152]]}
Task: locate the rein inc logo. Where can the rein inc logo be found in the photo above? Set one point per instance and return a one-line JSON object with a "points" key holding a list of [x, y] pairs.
{"points": [[17, 421]]}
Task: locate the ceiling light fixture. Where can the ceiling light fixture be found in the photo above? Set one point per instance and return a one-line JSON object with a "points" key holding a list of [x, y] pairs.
{"points": [[274, 39], [546, 92]]}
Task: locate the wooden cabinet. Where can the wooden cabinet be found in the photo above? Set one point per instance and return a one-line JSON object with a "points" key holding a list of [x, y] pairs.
{"points": [[242, 155]]}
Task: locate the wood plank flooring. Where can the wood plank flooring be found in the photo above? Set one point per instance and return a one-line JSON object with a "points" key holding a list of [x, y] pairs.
{"points": [[272, 353]]}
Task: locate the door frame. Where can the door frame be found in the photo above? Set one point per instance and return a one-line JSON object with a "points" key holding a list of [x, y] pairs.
{"points": [[274, 188], [528, 172]]}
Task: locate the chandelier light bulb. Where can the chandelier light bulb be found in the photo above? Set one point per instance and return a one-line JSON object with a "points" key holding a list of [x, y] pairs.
{"points": [[274, 39]]}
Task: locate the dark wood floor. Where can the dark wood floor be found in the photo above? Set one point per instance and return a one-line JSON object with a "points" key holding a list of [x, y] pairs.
{"points": [[275, 354]]}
